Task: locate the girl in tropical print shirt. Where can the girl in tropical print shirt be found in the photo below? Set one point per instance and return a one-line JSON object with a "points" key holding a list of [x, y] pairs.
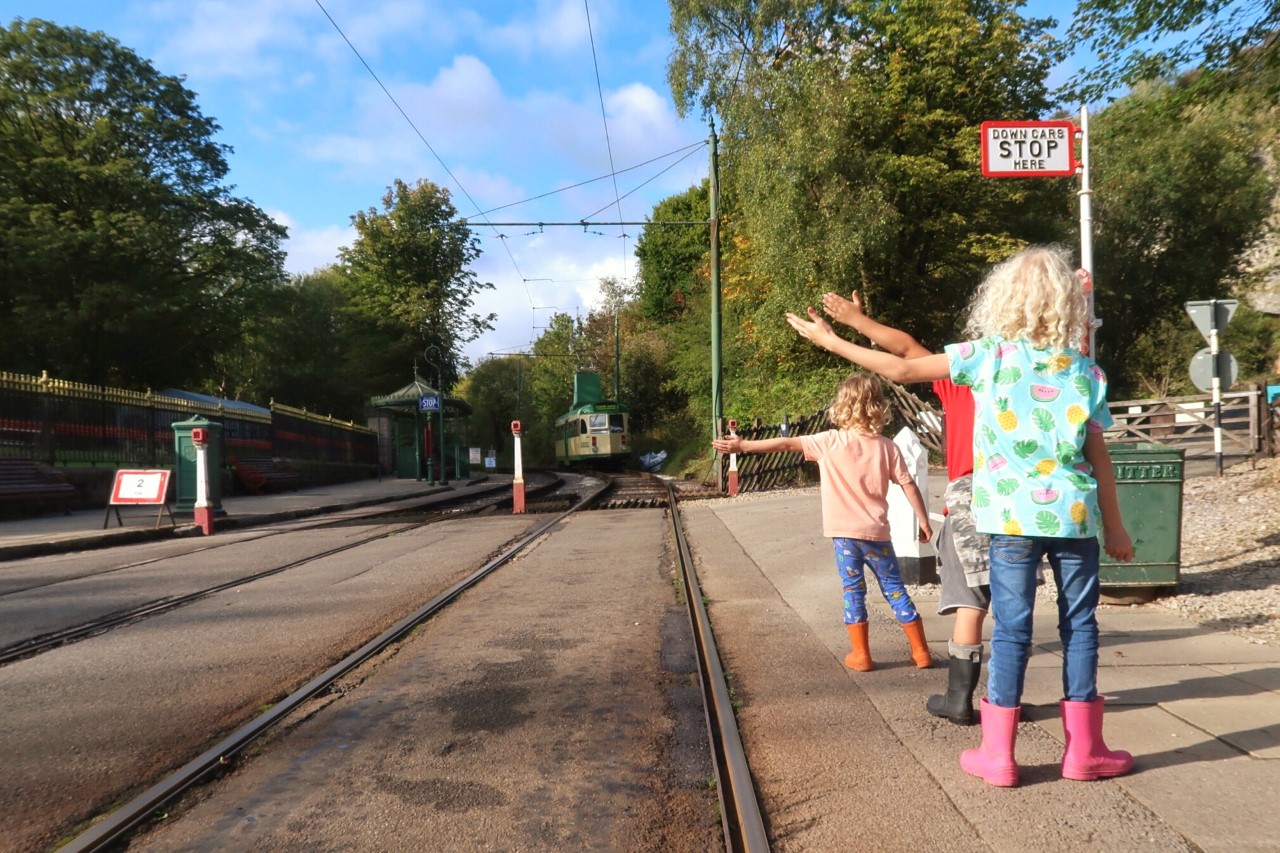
{"points": [[1043, 487]]}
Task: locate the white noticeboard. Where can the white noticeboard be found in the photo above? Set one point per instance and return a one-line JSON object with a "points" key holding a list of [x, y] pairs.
{"points": [[139, 488], [1028, 149], [474, 455]]}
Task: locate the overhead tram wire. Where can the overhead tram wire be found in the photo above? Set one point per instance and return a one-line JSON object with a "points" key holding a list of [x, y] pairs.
{"points": [[699, 144], [439, 160], [640, 185], [586, 6]]}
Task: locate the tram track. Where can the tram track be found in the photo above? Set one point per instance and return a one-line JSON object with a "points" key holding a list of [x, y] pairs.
{"points": [[31, 646], [743, 825]]}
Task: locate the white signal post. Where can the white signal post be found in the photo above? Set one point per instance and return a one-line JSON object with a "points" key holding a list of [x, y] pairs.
{"points": [[1086, 232], [733, 460], [517, 482], [203, 512]]}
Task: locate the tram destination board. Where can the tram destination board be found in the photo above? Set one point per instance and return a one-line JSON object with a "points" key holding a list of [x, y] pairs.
{"points": [[1028, 149]]}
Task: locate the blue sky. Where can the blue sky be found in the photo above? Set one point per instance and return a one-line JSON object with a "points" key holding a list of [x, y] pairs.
{"points": [[504, 92]]}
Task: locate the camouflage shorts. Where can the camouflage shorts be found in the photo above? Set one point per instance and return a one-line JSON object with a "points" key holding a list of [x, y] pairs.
{"points": [[971, 547]]}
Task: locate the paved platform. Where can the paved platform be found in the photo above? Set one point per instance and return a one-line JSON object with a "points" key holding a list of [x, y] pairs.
{"points": [[96, 528], [1198, 708]]}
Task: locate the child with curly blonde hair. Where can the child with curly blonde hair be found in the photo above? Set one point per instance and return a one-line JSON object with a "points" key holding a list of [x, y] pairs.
{"points": [[856, 465], [1043, 486]]}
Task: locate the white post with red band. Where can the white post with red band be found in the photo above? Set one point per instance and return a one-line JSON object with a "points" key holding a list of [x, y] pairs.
{"points": [[203, 512], [517, 482], [733, 460]]}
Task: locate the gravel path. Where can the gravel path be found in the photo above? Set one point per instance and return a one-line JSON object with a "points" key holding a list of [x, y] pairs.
{"points": [[1230, 576]]}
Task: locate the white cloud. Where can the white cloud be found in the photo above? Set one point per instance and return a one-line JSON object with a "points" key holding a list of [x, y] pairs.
{"points": [[557, 26], [311, 248]]}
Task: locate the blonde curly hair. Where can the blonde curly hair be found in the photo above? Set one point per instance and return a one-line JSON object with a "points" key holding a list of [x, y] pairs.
{"points": [[860, 404], [1033, 295]]}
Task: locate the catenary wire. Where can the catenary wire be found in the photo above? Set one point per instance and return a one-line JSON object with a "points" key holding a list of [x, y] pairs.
{"points": [[586, 6]]}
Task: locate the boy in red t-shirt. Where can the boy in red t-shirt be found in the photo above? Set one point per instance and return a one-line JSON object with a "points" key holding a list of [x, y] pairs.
{"points": [[962, 550]]}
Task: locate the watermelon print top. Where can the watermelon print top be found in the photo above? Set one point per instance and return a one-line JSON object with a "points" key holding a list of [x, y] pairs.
{"points": [[1032, 408]]}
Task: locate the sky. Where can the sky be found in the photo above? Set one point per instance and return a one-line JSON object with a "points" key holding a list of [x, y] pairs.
{"points": [[507, 102]]}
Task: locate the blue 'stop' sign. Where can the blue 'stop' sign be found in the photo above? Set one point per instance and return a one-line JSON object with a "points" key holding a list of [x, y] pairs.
{"points": [[429, 403]]}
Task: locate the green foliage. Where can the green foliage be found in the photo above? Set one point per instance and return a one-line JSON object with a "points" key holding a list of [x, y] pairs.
{"points": [[408, 271], [124, 259], [498, 392], [852, 154], [1180, 193], [1142, 40], [669, 257]]}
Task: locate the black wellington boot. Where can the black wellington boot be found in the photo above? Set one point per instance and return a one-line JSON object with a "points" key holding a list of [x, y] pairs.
{"points": [[962, 678]]}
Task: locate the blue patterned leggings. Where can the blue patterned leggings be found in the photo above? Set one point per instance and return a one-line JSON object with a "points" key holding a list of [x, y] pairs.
{"points": [[851, 556]]}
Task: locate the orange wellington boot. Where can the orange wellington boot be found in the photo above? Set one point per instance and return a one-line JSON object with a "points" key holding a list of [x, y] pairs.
{"points": [[919, 648], [860, 657]]}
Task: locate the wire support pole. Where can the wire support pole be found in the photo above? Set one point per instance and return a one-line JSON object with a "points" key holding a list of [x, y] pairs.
{"points": [[713, 198]]}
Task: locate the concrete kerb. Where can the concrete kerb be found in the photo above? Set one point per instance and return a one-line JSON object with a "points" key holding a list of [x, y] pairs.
{"points": [[94, 539]]}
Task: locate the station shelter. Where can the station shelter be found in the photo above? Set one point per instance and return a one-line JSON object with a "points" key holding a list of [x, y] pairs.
{"points": [[422, 434]]}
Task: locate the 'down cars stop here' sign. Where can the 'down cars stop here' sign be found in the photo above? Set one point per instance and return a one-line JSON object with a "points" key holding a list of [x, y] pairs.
{"points": [[1028, 149]]}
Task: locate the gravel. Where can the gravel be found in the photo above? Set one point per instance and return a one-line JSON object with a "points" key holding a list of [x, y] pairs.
{"points": [[1230, 575]]}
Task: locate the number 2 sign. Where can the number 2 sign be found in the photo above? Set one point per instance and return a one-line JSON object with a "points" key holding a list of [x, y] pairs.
{"points": [[139, 488]]}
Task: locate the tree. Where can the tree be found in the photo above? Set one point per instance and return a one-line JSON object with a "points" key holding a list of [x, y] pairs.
{"points": [[1180, 194], [498, 391], [408, 270], [123, 257], [669, 255], [1140, 40], [851, 152]]}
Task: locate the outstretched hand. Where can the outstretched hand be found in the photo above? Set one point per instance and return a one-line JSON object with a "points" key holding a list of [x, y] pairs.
{"points": [[846, 311], [815, 329], [728, 444]]}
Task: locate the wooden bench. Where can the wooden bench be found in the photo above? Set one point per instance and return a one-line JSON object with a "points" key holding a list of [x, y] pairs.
{"points": [[260, 475], [26, 485]]}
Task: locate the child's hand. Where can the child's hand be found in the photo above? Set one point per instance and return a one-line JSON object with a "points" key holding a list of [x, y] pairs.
{"points": [[1117, 544], [846, 311], [814, 329], [728, 444], [926, 532]]}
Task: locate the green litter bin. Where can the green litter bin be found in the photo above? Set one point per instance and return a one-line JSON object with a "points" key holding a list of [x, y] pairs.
{"points": [[1149, 489]]}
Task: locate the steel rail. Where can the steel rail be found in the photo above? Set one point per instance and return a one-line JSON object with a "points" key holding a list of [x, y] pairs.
{"points": [[31, 646], [128, 816], [744, 824]]}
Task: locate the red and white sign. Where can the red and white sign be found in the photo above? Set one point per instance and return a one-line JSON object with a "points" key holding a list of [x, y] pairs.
{"points": [[1028, 149], [140, 487]]}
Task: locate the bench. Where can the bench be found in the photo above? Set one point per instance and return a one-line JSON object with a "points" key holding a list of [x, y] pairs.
{"points": [[260, 475], [27, 485]]}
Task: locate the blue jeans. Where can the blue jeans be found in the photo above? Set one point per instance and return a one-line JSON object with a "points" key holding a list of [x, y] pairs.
{"points": [[1013, 594], [851, 556]]}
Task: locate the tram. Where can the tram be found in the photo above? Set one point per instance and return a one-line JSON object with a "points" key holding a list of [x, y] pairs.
{"points": [[594, 431]]}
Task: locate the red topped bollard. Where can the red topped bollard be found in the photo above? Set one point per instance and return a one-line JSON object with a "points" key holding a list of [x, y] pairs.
{"points": [[203, 511], [517, 482]]}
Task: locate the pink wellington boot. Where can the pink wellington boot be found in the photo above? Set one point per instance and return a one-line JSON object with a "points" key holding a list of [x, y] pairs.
{"points": [[1086, 757], [993, 761]]}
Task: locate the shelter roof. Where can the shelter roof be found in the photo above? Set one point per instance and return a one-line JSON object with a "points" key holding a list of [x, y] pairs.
{"points": [[405, 399]]}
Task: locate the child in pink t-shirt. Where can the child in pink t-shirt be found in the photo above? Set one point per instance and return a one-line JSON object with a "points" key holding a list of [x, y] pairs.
{"points": [[856, 465]]}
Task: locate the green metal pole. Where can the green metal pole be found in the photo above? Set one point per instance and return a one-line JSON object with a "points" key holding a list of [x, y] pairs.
{"points": [[617, 362], [444, 476], [717, 393]]}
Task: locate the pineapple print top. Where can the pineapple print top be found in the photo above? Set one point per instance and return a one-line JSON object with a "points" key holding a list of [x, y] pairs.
{"points": [[1032, 408]]}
